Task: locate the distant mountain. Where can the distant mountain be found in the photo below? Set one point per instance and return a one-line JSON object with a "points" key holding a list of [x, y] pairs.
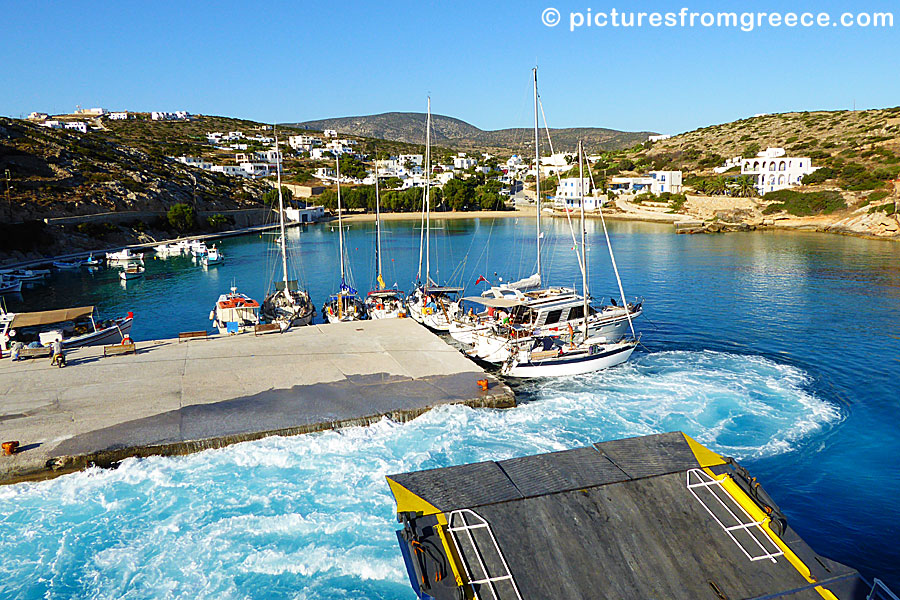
{"points": [[410, 127]]}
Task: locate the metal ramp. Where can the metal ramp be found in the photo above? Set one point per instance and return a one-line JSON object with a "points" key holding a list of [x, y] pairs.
{"points": [[473, 538], [743, 530], [881, 592]]}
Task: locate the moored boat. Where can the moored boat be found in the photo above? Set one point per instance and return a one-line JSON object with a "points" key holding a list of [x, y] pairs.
{"points": [[235, 313], [91, 261], [131, 272], [124, 255], [212, 257], [10, 286], [385, 304], [78, 326], [66, 266]]}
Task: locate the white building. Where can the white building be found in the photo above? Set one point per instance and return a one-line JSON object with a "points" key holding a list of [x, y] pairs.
{"points": [[178, 115], [330, 133], [658, 138], [258, 169], [97, 112], [463, 162], [309, 214], [774, 171], [729, 164], [194, 161], [80, 126], [52, 124], [656, 182], [118, 116], [413, 159], [229, 170], [38, 116], [303, 142], [325, 173], [569, 192]]}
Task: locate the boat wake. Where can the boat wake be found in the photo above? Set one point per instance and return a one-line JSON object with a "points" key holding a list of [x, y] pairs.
{"points": [[312, 517]]}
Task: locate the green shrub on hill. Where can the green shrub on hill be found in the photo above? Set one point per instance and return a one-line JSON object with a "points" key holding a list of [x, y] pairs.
{"points": [[181, 217], [885, 208], [804, 204], [818, 176]]}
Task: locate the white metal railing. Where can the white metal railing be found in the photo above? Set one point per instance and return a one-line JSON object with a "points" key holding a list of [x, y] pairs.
{"points": [[458, 523], [879, 586], [698, 479]]}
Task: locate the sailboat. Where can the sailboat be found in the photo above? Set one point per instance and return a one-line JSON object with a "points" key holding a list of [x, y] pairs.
{"points": [[523, 308], [288, 305], [382, 302], [552, 357], [346, 304], [432, 305]]}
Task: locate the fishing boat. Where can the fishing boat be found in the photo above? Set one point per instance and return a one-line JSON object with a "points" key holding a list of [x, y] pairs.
{"points": [[66, 266], [548, 356], [131, 272], [165, 250], [346, 304], [382, 303], [10, 286], [287, 305], [212, 257], [430, 304], [27, 275], [78, 326], [235, 313], [123, 256], [91, 261], [198, 248]]}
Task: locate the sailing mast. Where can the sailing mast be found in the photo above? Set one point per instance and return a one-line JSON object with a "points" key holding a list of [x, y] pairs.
{"points": [[340, 235], [287, 293], [378, 277], [537, 172], [428, 196], [584, 269]]}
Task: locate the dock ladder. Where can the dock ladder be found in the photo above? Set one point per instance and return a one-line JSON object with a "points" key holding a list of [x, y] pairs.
{"points": [[722, 504], [469, 523]]}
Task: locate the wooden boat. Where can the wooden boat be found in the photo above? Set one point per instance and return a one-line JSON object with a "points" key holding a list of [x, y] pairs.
{"points": [[132, 272]]}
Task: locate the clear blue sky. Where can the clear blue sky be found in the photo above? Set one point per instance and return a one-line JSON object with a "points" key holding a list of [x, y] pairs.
{"points": [[299, 60]]}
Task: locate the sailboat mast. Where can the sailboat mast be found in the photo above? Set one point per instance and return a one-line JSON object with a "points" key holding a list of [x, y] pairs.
{"points": [[584, 270], [537, 172], [377, 224], [340, 221], [428, 196], [284, 268]]}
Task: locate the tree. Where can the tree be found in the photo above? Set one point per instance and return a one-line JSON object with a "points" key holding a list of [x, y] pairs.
{"points": [[745, 187], [181, 217]]}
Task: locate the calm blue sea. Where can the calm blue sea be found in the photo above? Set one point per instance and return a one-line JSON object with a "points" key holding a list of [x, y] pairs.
{"points": [[780, 349]]}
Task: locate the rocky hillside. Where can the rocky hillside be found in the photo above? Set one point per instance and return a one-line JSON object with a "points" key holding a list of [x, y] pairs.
{"points": [[455, 133]]}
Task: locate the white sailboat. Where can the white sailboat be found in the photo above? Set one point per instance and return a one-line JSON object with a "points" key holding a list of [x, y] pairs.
{"points": [[382, 302], [551, 357], [288, 305], [432, 305], [346, 304]]}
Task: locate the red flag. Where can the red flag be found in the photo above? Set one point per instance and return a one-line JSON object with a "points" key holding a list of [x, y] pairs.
{"points": [[480, 279]]}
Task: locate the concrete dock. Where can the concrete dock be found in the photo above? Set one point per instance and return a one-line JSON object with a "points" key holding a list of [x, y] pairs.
{"points": [[178, 397]]}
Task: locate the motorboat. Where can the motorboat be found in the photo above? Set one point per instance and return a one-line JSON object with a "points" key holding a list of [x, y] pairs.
{"points": [[78, 325], [123, 256], [10, 286], [212, 257], [235, 313], [66, 266], [91, 261], [131, 272]]}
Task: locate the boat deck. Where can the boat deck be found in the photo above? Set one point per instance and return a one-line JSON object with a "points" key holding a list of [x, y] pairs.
{"points": [[175, 398], [613, 520]]}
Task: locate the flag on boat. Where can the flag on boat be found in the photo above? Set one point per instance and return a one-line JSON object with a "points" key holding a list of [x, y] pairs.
{"points": [[480, 279], [380, 281], [346, 289]]}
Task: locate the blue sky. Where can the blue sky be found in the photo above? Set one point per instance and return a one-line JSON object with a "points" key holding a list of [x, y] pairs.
{"points": [[292, 61]]}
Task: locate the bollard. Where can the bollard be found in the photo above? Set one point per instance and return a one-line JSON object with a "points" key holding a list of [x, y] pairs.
{"points": [[10, 448], [483, 384]]}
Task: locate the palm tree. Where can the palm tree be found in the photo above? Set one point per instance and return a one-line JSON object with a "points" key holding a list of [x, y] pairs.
{"points": [[746, 188]]}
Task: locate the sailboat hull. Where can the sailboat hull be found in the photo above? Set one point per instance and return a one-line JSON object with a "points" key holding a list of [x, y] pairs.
{"points": [[596, 358]]}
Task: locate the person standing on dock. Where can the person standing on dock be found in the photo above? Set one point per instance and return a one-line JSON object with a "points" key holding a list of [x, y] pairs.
{"points": [[57, 356]]}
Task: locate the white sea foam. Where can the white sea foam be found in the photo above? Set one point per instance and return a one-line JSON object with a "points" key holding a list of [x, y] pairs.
{"points": [[312, 517]]}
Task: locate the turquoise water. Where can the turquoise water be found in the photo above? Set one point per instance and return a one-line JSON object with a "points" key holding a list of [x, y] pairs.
{"points": [[778, 349]]}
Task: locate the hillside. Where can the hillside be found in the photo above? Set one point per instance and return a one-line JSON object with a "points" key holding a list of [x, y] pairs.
{"points": [[448, 131]]}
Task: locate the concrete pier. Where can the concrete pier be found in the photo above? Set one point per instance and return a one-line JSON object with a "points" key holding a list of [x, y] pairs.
{"points": [[176, 398]]}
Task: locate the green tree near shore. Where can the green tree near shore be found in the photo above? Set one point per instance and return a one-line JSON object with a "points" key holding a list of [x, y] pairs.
{"points": [[182, 217]]}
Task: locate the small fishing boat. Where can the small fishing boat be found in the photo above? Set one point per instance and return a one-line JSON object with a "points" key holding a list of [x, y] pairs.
{"points": [[165, 250], [27, 275], [198, 248], [235, 313], [131, 272], [66, 266], [91, 261], [10, 286], [123, 256], [78, 326], [212, 257]]}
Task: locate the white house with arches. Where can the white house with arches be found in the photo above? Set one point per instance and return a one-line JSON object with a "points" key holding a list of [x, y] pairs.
{"points": [[774, 171]]}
